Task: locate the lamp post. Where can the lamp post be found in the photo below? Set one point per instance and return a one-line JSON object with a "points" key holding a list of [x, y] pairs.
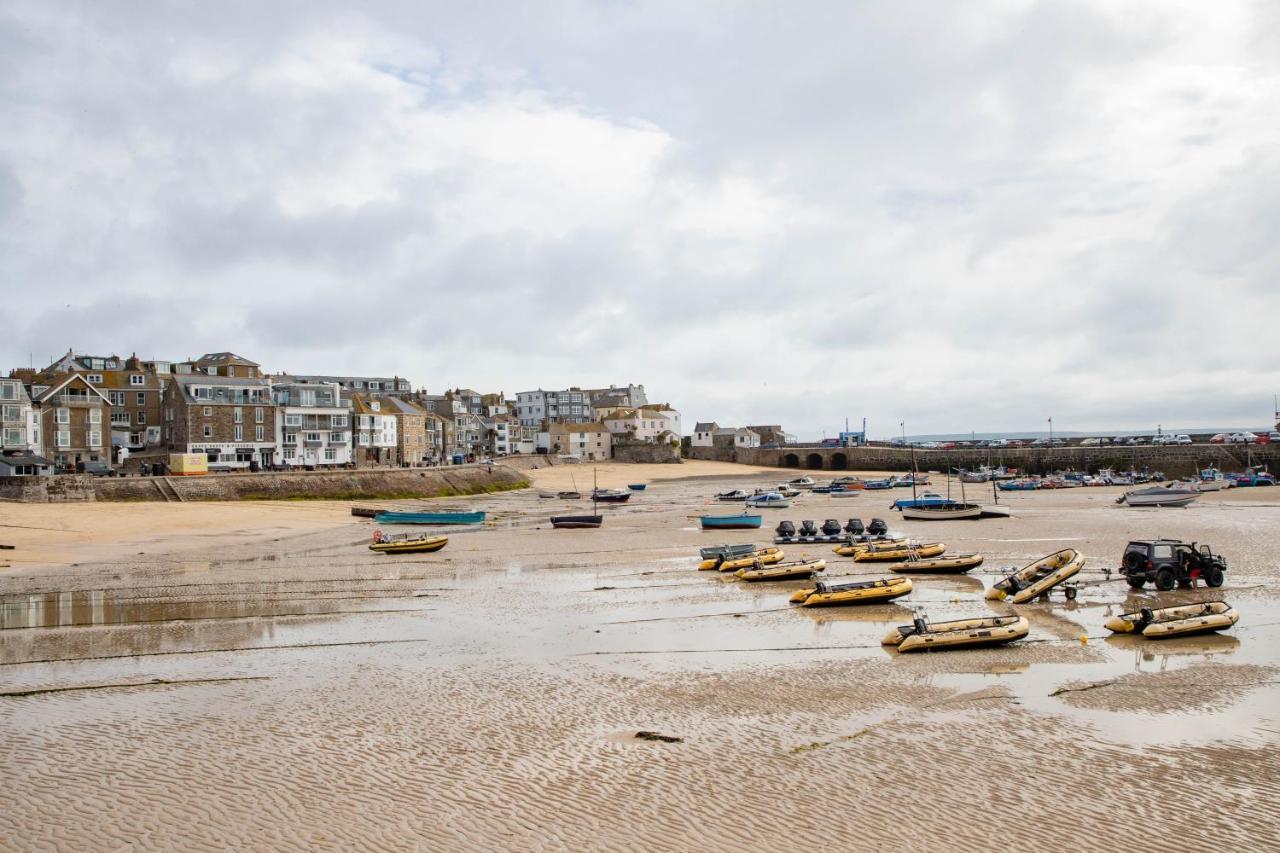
{"points": [[903, 424], [1051, 432]]}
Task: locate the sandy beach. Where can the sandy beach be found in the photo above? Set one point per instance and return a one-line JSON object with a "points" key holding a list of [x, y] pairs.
{"points": [[249, 675]]}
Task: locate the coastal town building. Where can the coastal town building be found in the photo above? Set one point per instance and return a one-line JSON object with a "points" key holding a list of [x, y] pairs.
{"points": [[312, 425], [704, 434], [618, 397], [369, 386], [19, 426], [651, 424], [24, 464], [772, 434], [376, 431], [571, 406], [134, 388], [72, 419], [226, 364], [230, 419], [419, 433], [736, 438], [591, 442]]}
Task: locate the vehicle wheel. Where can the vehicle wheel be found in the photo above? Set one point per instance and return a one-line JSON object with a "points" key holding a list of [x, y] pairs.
{"points": [[1133, 560], [1071, 593], [1136, 581], [1164, 579], [1214, 577]]}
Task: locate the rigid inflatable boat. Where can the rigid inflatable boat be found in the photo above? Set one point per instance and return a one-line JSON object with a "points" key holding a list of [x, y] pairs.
{"points": [[830, 593], [794, 570], [954, 564], [1038, 577], [407, 544], [1181, 621], [730, 563], [922, 635], [894, 552]]}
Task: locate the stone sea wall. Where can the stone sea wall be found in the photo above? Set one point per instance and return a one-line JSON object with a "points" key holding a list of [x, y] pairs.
{"points": [[388, 483]]}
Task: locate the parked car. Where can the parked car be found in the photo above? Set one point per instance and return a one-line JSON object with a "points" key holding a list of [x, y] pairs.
{"points": [[1091, 442], [1273, 437], [1220, 438], [96, 469], [1171, 562], [1242, 438], [1015, 442], [998, 442], [1180, 438]]}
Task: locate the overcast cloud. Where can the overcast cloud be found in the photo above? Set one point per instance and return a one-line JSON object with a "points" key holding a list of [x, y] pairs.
{"points": [[968, 216]]}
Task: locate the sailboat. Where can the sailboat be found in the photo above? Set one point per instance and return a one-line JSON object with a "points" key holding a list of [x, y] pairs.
{"points": [[581, 521], [939, 512]]}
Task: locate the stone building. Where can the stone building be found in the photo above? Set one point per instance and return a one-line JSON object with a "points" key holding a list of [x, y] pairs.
{"points": [[376, 431], [134, 388], [591, 442], [230, 419], [72, 419], [313, 425]]}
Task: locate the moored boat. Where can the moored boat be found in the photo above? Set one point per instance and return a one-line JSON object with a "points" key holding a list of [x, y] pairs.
{"points": [[995, 511], [637, 487], [794, 570], [834, 593], [576, 522], [1188, 619], [611, 496], [429, 518], [926, 499], [1025, 485], [733, 495], [569, 495], [891, 552], [1039, 577], [955, 564], [725, 563], [406, 543], [878, 485], [365, 511], [741, 521], [768, 500], [802, 483], [923, 636], [1159, 496], [945, 512], [711, 552]]}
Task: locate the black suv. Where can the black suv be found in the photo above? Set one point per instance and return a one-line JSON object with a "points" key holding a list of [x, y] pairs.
{"points": [[1170, 562]]}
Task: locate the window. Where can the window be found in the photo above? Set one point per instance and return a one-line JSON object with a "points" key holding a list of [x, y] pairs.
{"points": [[63, 438], [95, 416], [62, 416], [121, 418], [239, 433], [12, 437], [200, 392], [231, 370], [168, 413], [337, 420], [137, 379], [290, 453], [307, 397], [8, 390], [12, 413], [375, 386], [293, 420], [168, 433], [257, 415], [93, 378], [237, 415], [142, 399], [290, 438], [208, 431], [259, 433], [330, 454], [337, 438], [208, 411], [312, 436]]}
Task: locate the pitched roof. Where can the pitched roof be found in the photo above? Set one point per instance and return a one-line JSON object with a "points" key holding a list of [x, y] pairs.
{"points": [[558, 427], [224, 358], [59, 381], [706, 426]]}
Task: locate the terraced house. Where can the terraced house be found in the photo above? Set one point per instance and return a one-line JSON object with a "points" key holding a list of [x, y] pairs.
{"points": [[419, 433], [19, 429], [313, 425], [376, 434], [72, 419], [133, 387], [232, 420]]}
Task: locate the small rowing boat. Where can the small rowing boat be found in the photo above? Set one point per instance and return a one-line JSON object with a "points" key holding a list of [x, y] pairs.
{"points": [[1039, 577], [956, 564], [1205, 618], [742, 521], [576, 522], [727, 563], [794, 570], [569, 496], [834, 593], [406, 544], [364, 511], [611, 496], [429, 518], [637, 487], [923, 636]]}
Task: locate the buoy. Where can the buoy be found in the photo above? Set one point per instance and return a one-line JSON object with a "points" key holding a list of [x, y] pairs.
{"points": [[1084, 640]]}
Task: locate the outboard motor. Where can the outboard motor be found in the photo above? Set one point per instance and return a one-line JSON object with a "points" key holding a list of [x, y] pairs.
{"points": [[921, 624], [877, 527], [786, 528], [807, 528], [1147, 617], [831, 527], [854, 527]]}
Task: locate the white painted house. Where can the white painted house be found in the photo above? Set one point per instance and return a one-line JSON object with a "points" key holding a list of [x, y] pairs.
{"points": [[704, 433], [313, 425]]}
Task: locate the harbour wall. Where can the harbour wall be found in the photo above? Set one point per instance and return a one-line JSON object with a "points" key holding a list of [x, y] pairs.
{"points": [[380, 483], [1173, 460]]}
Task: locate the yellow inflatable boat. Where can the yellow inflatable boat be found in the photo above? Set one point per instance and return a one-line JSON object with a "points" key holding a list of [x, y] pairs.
{"points": [[767, 556], [1038, 577], [954, 564], [406, 544], [795, 570], [1181, 621], [831, 593], [922, 635], [900, 552]]}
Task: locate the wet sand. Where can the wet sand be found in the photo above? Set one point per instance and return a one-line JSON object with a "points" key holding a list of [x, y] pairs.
{"points": [[256, 678]]}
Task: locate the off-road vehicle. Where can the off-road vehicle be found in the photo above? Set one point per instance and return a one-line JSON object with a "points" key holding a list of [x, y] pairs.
{"points": [[1171, 562]]}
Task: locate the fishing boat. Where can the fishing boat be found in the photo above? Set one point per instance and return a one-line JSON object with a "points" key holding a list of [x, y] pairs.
{"points": [[951, 512], [1159, 496], [834, 593], [912, 479], [786, 490], [955, 564], [1022, 485], [878, 485], [1212, 480], [922, 635], [734, 495], [406, 543], [637, 487], [926, 499], [794, 570], [429, 518], [741, 521], [611, 496], [1205, 618], [768, 500], [758, 556], [802, 483], [853, 483], [891, 552], [1039, 577]]}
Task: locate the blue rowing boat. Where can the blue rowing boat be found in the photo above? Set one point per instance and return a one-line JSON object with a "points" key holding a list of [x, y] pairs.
{"points": [[927, 499], [429, 518], [741, 521], [636, 487]]}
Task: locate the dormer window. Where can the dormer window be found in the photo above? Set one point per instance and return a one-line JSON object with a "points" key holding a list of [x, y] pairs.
{"points": [[94, 378], [137, 379], [375, 406]]}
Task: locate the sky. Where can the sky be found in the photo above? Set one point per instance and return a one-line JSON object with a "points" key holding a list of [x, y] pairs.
{"points": [[957, 216]]}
